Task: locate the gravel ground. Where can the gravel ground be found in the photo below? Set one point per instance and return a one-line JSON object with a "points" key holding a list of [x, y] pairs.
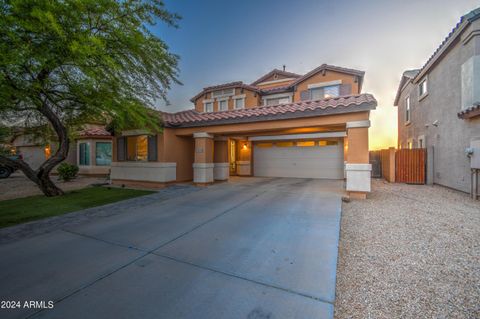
{"points": [[17, 185], [409, 251]]}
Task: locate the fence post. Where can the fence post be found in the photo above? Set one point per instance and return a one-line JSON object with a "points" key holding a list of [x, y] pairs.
{"points": [[391, 166]]}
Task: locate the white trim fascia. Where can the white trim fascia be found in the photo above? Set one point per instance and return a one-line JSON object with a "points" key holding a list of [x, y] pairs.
{"points": [[238, 97], [208, 101], [202, 165], [358, 124], [323, 84], [275, 81], [222, 98], [143, 164], [358, 167], [202, 134], [297, 136]]}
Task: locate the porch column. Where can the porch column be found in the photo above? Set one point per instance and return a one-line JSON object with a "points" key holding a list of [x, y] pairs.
{"points": [[221, 170], [358, 169], [203, 165]]}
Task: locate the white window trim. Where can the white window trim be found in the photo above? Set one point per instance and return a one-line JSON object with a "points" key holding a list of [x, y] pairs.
{"points": [[277, 96], [222, 100], [205, 102], [409, 106], [421, 97], [237, 98], [223, 95], [323, 84]]}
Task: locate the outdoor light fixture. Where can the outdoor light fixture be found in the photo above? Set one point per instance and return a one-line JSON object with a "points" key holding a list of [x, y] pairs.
{"points": [[244, 146]]}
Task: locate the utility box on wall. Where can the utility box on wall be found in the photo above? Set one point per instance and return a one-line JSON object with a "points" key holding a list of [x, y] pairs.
{"points": [[475, 156]]}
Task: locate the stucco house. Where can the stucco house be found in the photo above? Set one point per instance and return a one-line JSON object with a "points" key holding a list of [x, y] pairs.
{"points": [[282, 125], [91, 149], [439, 105]]}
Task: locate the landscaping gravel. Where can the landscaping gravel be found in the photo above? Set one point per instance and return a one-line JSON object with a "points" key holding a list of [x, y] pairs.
{"points": [[409, 251]]}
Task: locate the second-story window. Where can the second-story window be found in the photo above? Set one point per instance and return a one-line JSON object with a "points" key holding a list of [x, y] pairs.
{"points": [[223, 105], [239, 103], [422, 88], [209, 107], [325, 92], [407, 109]]}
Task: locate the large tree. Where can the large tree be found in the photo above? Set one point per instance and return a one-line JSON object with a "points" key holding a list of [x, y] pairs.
{"points": [[64, 62]]}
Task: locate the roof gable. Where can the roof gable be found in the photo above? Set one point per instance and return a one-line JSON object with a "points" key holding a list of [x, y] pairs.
{"points": [[275, 74], [407, 77], [325, 67]]}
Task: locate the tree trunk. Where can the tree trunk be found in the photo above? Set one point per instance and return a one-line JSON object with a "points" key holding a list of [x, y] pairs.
{"points": [[48, 187]]}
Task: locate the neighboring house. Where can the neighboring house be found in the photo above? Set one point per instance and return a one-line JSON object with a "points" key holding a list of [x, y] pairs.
{"points": [[91, 150], [439, 105], [281, 125]]}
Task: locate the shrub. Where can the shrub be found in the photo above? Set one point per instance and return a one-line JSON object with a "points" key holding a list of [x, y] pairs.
{"points": [[67, 172]]}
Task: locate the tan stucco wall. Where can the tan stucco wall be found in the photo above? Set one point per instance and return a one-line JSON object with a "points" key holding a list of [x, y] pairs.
{"points": [[180, 150], [329, 76], [276, 84], [203, 150], [220, 152], [357, 145]]}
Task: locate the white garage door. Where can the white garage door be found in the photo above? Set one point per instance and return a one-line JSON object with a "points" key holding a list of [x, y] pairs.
{"points": [[319, 159]]}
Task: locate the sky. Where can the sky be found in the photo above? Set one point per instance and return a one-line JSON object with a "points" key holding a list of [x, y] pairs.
{"points": [[224, 41]]}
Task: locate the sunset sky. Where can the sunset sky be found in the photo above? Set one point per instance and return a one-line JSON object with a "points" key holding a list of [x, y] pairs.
{"points": [[224, 41]]}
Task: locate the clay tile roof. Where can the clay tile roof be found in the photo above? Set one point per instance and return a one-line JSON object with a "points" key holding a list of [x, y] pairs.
{"points": [[95, 132], [470, 112], [343, 104], [236, 84], [276, 89], [328, 67], [275, 71], [465, 20]]}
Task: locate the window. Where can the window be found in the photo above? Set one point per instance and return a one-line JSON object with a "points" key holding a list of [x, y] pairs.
{"points": [[407, 109], [84, 154], [306, 143], [209, 107], [325, 92], [422, 89], [284, 144], [103, 153], [223, 105], [276, 101], [266, 145], [240, 103], [137, 148], [224, 92]]}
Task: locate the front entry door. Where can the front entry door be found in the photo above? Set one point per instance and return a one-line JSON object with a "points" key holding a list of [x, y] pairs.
{"points": [[232, 149]]}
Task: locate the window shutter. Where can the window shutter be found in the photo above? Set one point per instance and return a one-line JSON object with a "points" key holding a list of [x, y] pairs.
{"points": [[305, 95], [345, 89], [152, 148], [121, 147]]}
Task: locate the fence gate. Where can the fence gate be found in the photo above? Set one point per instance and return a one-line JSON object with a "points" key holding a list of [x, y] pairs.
{"points": [[376, 161], [410, 165]]}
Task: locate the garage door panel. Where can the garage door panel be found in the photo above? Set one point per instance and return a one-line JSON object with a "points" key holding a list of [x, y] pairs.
{"points": [[304, 162]]}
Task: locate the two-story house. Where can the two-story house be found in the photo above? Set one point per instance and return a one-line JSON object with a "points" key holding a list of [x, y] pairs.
{"points": [[282, 125], [438, 105]]}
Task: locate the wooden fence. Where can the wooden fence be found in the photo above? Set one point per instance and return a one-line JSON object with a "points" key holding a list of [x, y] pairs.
{"points": [[403, 166], [410, 165]]}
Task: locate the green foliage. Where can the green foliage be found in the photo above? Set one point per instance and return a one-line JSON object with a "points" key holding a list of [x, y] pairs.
{"points": [[22, 210], [84, 59], [67, 172]]}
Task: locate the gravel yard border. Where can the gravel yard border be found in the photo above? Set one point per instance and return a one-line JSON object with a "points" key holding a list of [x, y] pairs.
{"points": [[409, 251]]}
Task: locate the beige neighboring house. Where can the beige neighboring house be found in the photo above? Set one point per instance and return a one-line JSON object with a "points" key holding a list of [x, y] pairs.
{"points": [[439, 106], [91, 150], [283, 124]]}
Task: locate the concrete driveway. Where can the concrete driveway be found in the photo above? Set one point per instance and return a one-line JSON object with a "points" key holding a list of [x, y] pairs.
{"points": [[249, 248]]}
